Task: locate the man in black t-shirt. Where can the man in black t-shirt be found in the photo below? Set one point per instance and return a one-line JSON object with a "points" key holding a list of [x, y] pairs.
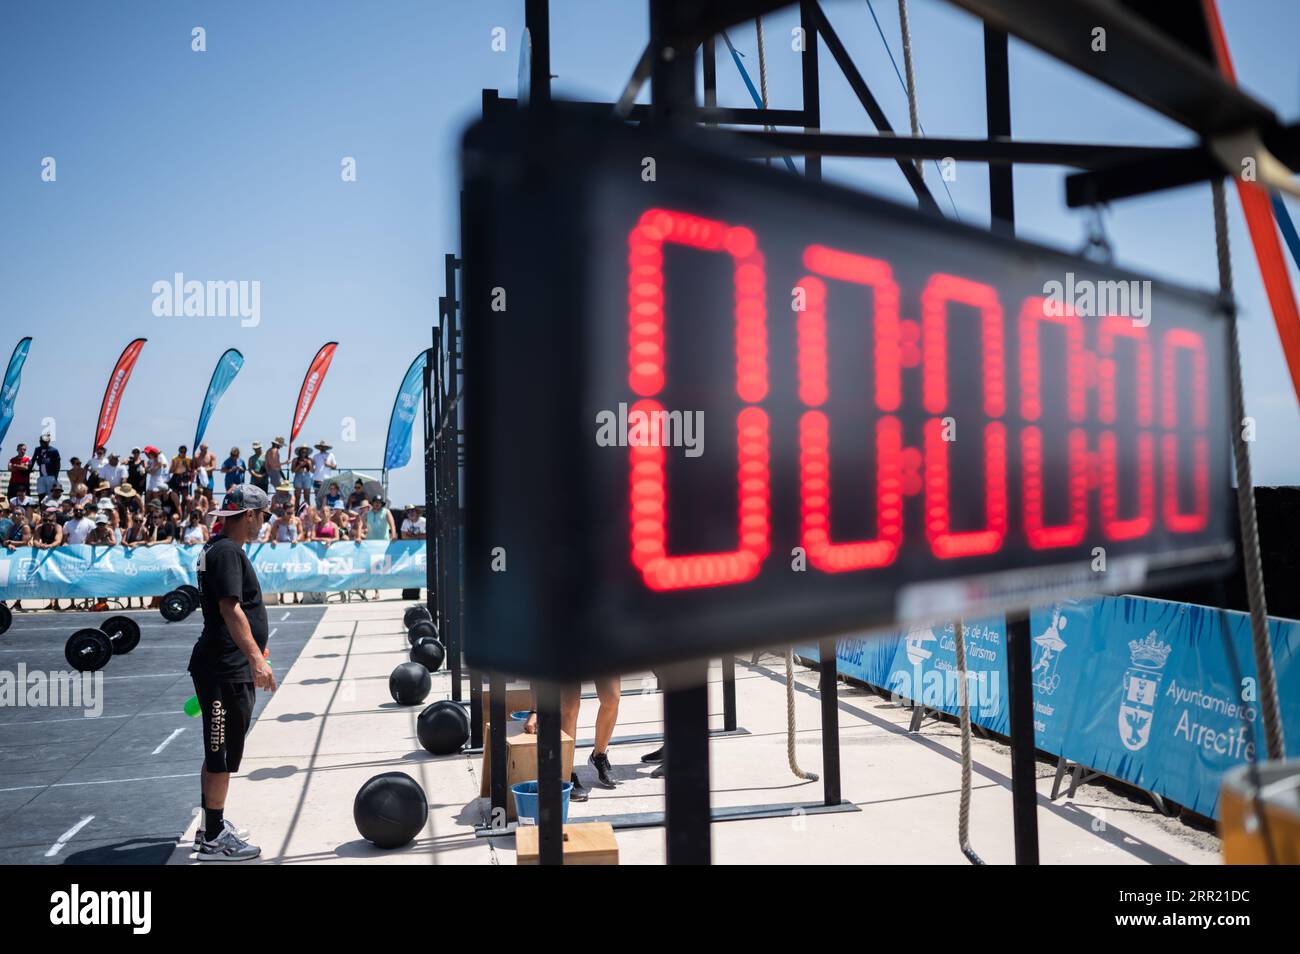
{"points": [[228, 663]]}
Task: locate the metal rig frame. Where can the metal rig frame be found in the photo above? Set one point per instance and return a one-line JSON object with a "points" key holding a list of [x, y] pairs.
{"points": [[1161, 57]]}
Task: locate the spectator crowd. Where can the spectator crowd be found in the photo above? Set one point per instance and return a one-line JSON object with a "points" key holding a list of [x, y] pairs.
{"points": [[147, 498]]}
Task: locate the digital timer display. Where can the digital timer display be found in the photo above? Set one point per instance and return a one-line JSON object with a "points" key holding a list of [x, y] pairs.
{"points": [[720, 407]]}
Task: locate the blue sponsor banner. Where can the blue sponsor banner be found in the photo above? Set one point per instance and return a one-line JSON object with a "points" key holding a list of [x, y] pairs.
{"points": [[1141, 690], [228, 365], [924, 669], [9, 387], [397, 452], [83, 571], [1149, 695]]}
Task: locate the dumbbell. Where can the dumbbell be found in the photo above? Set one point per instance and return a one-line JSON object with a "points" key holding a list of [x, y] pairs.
{"points": [[90, 649]]}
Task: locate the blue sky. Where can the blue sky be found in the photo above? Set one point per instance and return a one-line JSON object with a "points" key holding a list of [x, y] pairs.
{"points": [[225, 165]]}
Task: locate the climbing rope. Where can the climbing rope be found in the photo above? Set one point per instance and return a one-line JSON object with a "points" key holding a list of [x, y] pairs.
{"points": [[911, 78], [789, 719], [884, 41], [1269, 707], [759, 101], [963, 705]]}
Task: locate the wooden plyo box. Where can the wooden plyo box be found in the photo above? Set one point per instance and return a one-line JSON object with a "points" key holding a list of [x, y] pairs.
{"points": [[521, 763], [585, 843]]}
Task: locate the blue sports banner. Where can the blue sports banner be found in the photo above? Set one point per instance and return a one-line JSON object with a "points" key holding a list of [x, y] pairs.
{"points": [[13, 378], [397, 452], [925, 662], [1142, 690], [83, 571], [228, 366], [1151, 694]]}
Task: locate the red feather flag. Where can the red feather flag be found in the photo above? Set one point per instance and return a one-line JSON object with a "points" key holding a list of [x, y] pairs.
{"points": [[310, 388], [113, 393]]}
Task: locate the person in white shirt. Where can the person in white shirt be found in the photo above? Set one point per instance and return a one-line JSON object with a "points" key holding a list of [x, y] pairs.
{"points": [[113, 471], [412, 524], [78, 528], [156, 474], [98, 460], [322, 465], [24, 500]]}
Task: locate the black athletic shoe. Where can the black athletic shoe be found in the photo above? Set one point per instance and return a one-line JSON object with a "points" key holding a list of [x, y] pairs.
{"points": [[578, 794], [601, 764], [660, 771], [656, 756]]}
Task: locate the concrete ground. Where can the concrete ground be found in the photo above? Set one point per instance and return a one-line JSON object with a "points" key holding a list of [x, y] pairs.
{"points": [[332, 725]]}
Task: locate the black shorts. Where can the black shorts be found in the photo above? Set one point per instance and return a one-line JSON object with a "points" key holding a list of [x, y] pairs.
{"points": [[227, 712]]}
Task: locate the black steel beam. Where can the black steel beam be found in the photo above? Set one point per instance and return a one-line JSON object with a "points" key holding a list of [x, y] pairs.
{"points": [[550, 818], [997, 109], [728, 693], [828, 682], [709, 63], [672, 64], [640, 112], [864, 146], [537, 18], [1020, 706], [1139, 60], [859, 86], [497, 748], [686, 760], [1139, 175], [811, 82]]}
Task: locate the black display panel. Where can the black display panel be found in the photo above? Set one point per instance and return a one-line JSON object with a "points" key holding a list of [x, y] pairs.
{"points": [[710, 406]]}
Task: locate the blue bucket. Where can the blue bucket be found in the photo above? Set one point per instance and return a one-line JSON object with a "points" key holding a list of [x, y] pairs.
{"points": [[526, 801]]}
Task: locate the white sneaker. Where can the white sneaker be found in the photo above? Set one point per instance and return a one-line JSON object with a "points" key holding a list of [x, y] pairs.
{"points": [[227, 847], [227, 825]]}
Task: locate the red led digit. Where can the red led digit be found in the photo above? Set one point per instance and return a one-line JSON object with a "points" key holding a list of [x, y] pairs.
{"points": [[1071, 533], [648, 483], [645, 297], [815, 498], [649, 507], [1114, 526], [859, 270], [1176, 519], [814, 427], [939, 291], [944, 542]]}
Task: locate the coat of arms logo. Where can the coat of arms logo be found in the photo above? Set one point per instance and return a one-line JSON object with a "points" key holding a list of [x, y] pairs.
{"points": [[1141, 689]]}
